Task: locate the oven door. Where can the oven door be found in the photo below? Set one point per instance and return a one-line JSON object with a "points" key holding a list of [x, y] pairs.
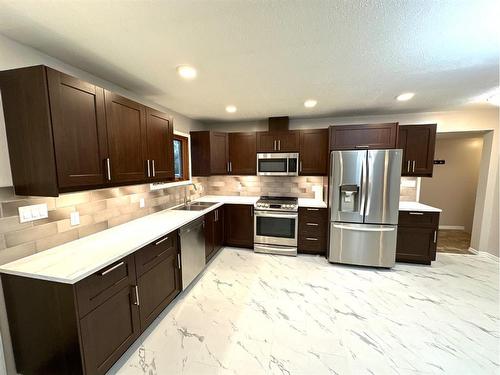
{"points": [[276, 228]]}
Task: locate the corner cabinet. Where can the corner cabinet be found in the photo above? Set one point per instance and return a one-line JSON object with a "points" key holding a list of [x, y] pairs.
{"points": [[84, 328], [367, 136], [418, 144], [65, 134]]}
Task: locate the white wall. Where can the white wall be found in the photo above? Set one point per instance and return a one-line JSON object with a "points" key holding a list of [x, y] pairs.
{"points": [[484, 232], [16, 55]]}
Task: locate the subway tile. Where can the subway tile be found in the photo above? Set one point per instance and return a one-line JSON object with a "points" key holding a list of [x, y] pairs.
{"points": [[3, 245], [10, 224], [91, 229], [30, 234], [97, 195], [56, 240], [117, 202], [105, 215], [91, 207], [135, 189], [72, 199], [11, 254], [10, 208]]}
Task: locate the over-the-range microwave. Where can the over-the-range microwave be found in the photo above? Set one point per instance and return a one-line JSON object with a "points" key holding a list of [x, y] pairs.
{"points": [[278, 164]]}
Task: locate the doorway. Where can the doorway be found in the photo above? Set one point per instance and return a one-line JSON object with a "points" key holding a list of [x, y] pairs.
{"points": [[453, 188]]}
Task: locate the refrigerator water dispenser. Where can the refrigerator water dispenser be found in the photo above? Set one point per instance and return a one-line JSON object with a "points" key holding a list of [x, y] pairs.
{"points": [[349, 198]]}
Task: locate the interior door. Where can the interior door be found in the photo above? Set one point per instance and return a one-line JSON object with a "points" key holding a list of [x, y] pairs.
{"points": [[126, 126], [348, 174], [383, 185], [79, 128], [160, 145]]}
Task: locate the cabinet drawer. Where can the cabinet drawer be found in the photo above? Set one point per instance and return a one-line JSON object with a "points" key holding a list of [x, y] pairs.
{"points": [[153, 253], [313, 215], [97, 288], [418, 218], [312, 244]]}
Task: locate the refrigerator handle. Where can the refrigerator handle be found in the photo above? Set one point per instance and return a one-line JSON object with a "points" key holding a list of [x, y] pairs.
{"points": [[363, 187]]}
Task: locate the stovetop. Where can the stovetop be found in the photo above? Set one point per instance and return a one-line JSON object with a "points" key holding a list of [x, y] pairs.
{"points": [[277, 203]]}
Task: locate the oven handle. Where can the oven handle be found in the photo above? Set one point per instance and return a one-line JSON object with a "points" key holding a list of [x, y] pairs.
{"points": [[274, 214]]}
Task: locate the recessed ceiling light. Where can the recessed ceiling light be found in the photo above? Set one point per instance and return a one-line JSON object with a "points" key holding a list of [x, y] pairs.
{"points": [[406, 96], [310, 103], [186, 71], [231, 109]]}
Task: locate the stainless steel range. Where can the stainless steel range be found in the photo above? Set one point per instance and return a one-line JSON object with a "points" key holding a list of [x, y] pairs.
{"points": [[276, 224]]}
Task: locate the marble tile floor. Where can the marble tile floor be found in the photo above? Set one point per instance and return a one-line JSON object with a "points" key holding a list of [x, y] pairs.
{"points": [[262, 314], [453, 241]]}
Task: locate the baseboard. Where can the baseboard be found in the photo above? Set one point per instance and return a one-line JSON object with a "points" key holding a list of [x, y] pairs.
{"points": [[451, 227], [484, 253]]}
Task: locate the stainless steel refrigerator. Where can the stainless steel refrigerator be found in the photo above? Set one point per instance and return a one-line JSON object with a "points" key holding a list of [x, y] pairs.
{"points": [[364, 205]]}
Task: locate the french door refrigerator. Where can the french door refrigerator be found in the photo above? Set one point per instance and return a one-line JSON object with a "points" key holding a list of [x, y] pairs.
{"points": [[364, 206]]}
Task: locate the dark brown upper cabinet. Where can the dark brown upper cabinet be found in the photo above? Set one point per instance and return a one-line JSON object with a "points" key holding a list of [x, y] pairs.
{"points": [[127, 140], [242, 153], [313, 152], [65, 134], [368, 136], [209, 153], [160, 134], [418, 144], [278, 141]]}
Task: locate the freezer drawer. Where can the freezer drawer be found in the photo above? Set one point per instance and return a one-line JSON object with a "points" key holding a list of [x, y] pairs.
{"points": [[363, 244]]}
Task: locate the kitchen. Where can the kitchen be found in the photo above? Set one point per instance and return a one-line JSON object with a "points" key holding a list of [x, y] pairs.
{"points": [[151, 242]]}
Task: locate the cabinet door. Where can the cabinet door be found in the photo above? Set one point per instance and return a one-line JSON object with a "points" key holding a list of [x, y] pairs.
{"points": [[159, 130], [108, 330], [218, 153], [239, 225], [415, 244], [159, 286], [313, 152], [79, 130], [243, 153], [419, 150], [209, 234], [288, 141], [402, 135], [219, 229], [369, 136], [126, 126], [266, 142]]}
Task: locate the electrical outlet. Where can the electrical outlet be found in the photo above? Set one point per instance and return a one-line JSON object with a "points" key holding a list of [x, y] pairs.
{"points": [[142, 203], [75, 218], [32, 213]]}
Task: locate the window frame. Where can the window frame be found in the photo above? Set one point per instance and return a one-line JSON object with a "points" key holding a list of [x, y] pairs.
{"points": [[185, 157]]}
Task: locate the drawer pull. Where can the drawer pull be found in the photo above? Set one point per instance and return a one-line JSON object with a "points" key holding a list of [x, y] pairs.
{"points": [[179, 260], [362, 146], [137, 302], [160, 241], [103, 273], [311, 239], [435, 236], [416, 213], [312, 209], [312, 224]]}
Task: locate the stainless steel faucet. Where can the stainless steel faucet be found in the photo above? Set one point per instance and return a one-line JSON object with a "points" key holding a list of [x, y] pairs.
{"points": [[187, 199]]}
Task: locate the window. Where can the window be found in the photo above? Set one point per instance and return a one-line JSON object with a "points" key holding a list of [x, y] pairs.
{"points": [[181, 158]]}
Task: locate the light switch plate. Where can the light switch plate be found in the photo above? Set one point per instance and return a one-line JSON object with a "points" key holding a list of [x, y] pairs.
{"points": [[74, 218], [142, 203], [33, 212]]}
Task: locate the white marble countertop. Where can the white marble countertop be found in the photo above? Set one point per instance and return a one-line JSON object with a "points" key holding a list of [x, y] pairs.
{"points": [[416, 206], [310, 202], [75, 260], [231, 199]]}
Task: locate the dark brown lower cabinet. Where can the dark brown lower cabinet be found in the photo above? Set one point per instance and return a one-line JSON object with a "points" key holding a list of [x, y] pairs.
{"points": [[417, 237], [313, 230], [214, 232], [239, 223], [84, 328]]}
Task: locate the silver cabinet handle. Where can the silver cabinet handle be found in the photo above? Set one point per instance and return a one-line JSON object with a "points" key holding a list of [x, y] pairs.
{"points": [[300, 166], [312, 209], [279, 145], [362, 146], [137, 302], [103, 273], [108, 168], [414, 162], [162, 240], [435, 236], [312, 224], [274, 145], [415, 213], [179, 260], [154, 170], [311, 239], [408, 166], [251, 210], [148, 168]]}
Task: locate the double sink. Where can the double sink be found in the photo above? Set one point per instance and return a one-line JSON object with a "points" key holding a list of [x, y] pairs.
{"points": [[194, 206]]}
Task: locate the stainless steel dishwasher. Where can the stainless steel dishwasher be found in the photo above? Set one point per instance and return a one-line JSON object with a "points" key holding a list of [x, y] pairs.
{"points": [[192, 250]]}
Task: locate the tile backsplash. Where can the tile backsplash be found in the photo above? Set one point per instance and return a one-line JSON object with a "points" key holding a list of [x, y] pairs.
{"points": [[99, 210], [408, 189]]}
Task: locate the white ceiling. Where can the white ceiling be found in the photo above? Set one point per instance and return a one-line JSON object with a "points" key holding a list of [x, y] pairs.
{"points": [[267, 57]]}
